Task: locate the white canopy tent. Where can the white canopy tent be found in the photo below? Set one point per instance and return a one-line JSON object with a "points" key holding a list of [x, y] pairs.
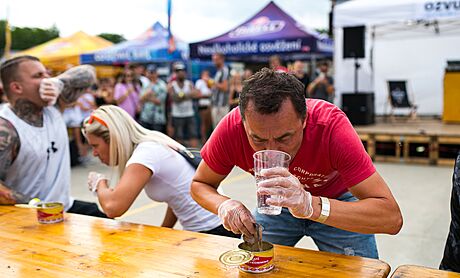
{"points": [[404, 40]]}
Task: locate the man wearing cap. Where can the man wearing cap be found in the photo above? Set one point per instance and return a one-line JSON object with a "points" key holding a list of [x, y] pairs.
{"points": [[153, 100], [182, 94]]}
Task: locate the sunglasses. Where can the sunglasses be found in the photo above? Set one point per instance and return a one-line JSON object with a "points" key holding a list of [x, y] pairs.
{"points": [[90, 120]]}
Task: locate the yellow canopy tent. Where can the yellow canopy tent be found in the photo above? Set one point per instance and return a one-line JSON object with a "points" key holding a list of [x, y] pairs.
{"points": [[62, 53]]}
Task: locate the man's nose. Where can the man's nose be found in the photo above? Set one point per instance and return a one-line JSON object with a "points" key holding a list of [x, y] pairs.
{"points": [[272, 145]]}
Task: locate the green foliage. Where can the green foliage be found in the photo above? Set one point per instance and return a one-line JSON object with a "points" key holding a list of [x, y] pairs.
{"points": [[115, 38], [24, 38], [322, 30]]}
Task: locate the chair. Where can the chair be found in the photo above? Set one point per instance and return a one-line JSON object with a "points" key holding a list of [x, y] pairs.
{"points": [[399, 98]]}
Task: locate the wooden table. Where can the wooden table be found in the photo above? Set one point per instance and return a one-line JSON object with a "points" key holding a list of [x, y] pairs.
{"points": [[405, 271], [84, 246]]}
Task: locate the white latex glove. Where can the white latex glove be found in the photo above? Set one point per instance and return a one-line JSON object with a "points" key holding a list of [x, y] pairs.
{"points": [[236, 217], [50, 89], [93, 181], [290, 191]]}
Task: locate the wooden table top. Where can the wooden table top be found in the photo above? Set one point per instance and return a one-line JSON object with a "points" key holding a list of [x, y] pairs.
{"points": [[406, 271], [84, 246]]}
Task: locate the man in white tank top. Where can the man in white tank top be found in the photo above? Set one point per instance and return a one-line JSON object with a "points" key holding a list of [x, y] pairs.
{"points": [[34, 150]]}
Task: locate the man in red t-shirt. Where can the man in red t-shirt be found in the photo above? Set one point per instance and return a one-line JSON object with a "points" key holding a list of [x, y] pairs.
{"points": [[331, 191]]}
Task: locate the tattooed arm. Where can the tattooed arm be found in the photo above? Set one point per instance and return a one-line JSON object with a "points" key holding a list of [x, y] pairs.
{"points": [[76, 81], [9, 149]]}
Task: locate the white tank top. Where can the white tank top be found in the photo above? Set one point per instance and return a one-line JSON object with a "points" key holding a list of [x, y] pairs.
{"points": [[184, 108], [42, 166]]}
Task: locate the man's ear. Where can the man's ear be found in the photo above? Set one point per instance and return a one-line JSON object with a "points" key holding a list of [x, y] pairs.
{"points": [[304, 123], [15, 87]]}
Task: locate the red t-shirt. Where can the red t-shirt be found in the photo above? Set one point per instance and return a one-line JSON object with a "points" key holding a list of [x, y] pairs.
{"points": [[330, 160]]}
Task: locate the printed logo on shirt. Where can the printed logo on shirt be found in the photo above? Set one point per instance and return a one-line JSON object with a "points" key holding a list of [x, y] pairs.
{"points": [[310, 180], [50, 149]]}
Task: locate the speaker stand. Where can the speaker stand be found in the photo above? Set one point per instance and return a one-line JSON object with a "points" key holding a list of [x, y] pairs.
{"points": [[357, 66]]}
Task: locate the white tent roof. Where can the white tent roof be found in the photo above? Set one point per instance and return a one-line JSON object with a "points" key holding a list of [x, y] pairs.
{"points": [[376, 12]]}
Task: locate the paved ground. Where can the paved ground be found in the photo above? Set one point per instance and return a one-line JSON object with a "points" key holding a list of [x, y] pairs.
{"points": [[423, 193]]}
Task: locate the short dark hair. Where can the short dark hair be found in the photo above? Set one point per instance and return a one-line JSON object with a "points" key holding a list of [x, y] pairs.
{"points": [[324, 63], [219, 54], [268, 89], [9, 70]]}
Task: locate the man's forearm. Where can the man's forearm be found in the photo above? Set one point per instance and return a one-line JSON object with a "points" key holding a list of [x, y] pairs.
{"points": [[368, 216], [206, 196], [76, 81]]}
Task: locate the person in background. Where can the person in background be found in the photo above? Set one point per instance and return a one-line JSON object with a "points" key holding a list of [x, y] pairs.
{"points": [[34, 150], [146, 160], [236, 87], [127, 93], [247, 73], [104, 92], [276, 64], [73, 120], [183, 119], [153, 100], [203, 85], [322, 87], [86, 103], [331, 191], [220, 89], [299, 72], [139, 75]]}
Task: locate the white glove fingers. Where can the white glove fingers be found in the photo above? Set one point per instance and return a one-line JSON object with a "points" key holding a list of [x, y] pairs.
{"points": [[226, 225], [275, 171], [275, 190], [233, 223], [247, 222], [278, 201], [277, 182]]}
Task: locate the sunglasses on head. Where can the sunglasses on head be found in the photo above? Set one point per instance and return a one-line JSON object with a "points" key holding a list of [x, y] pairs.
{"points": [[93, 118], [90, 120]]}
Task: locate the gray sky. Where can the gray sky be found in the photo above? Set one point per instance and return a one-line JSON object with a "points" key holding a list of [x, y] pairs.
{"points": [[192, 20]]}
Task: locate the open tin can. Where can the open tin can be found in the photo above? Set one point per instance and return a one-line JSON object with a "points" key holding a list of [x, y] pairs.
{"points": [[250, 261], [50, 212]]}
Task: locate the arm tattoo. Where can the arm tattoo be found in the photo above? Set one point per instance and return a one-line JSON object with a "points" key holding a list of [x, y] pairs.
{"points": [[9, 147], [29, 112], [76, 80]]}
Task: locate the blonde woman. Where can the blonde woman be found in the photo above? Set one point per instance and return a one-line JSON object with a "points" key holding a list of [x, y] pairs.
{"points": [[146, 160]]}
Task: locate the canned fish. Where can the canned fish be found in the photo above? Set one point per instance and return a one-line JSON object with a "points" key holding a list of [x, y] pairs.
{"points": [[262, 261], [248, 260], [50, 212]]}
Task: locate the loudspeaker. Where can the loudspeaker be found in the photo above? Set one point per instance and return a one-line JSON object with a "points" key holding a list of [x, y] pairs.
{"points": [[359, 108], [353, 42]]}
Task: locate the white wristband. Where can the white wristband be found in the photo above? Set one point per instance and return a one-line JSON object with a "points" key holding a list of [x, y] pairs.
{"points": [[325, 210]]}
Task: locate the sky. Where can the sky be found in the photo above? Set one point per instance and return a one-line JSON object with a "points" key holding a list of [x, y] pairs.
{"points": [[192, 20]]}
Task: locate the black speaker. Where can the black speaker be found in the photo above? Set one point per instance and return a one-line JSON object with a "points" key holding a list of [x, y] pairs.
{"points": [[353, 42], [359, 108]]}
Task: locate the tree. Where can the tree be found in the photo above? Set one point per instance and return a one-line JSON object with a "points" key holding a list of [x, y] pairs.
{"points": [[324, 31], [115, 38], [24, 38]]}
